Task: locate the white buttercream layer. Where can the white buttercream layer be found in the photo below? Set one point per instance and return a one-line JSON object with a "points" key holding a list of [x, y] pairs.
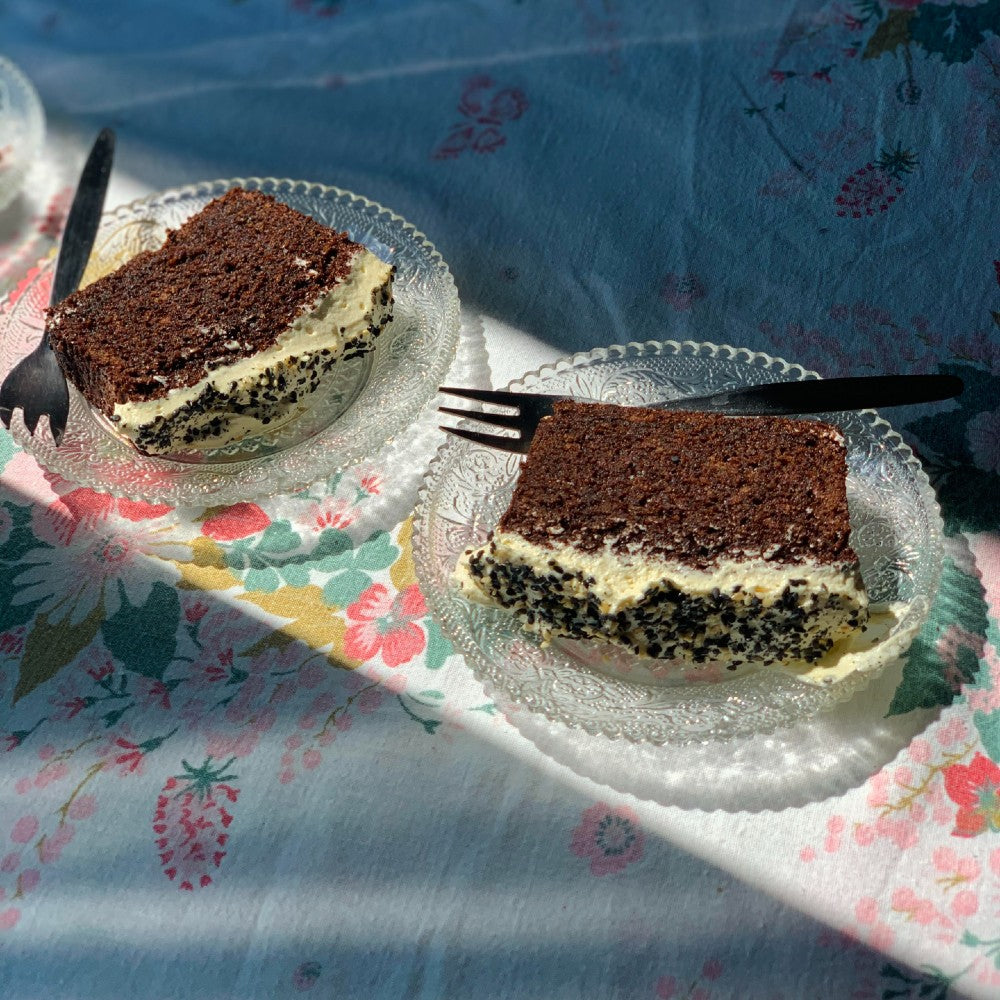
{"points": [[747, 606], [340, 321]]}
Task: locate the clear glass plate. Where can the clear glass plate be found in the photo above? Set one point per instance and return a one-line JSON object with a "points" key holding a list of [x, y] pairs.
{"points": [[358, 410], [22, 129], [896, 531]]}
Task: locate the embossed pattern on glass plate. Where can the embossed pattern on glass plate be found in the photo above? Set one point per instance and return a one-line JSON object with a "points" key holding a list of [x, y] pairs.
{"points": [[22, 129], [362, 407], [896, 530]]}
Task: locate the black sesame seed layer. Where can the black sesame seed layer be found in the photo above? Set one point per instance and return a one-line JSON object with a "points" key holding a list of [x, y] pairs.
{"points": [[736, 627], [274, 394]]}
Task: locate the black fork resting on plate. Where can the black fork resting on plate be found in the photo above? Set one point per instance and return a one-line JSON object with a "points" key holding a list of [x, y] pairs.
{"points": [[826, 395], [36, 383]]}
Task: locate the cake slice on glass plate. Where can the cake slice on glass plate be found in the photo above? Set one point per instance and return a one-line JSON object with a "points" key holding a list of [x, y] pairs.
{"points": [[693, 537], [224, 331]]}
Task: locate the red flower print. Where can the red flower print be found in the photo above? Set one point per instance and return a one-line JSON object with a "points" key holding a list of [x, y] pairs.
{"points": [[875, 186], [975, 789], [386, 623], [507, 106], [460, 139], [237, 521], [610, 838], [191, 823], [488, 140], [487, 111], [681, 291], [305, 976]]}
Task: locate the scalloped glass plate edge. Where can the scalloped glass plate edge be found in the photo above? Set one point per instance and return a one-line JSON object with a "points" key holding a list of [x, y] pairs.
{"points": [[728, 719], [225, 482]]}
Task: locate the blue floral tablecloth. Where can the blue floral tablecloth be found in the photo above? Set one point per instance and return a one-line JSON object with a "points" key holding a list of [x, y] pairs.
{"points": [[240, 759]]}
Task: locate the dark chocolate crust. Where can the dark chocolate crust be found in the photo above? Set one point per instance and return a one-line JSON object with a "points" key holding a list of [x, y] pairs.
{"points": [[695, 488], [221, 288]]}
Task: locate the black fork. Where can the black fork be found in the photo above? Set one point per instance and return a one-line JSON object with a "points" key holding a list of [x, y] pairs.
{"points": [[36, 383], [827, 395]]}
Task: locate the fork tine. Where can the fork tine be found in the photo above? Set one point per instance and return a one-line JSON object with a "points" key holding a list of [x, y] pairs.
{"points": [[519, 446], [31, 413], [57, 426], [513, 420], [499, 396]]}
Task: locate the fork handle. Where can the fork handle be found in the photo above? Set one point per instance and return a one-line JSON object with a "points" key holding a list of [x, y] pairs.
{"points": [[84, 217], [826, 395]]}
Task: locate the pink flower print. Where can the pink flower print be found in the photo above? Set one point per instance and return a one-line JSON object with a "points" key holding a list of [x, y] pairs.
{"points": [[236, 746], [682, 291], [238, 521], [610, 838], [371, 483], [9, 918], [487, 110], [10, 862], [987, 699], [386, 623], [193, 613], [305, 976], [368, 701], [12, 641], [24, 829], [192, 820], [84, 507], [952, 732], [983, 436], [975, 789], [875, 186], [332, 512], [94, 566], [712, 969], [51, 845], [917, 909], [965, 904], [28, 880], [666, 988], [82, 807]]}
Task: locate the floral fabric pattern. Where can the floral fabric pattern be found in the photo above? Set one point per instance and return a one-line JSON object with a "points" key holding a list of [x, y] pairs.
{"points": [[240, 756]]}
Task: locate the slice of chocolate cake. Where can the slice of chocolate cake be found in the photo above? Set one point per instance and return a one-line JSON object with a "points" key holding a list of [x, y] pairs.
{"points": [[226, 329], [681, 536]]}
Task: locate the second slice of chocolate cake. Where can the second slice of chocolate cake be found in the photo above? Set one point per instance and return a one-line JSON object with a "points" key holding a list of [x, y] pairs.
{"points": [[224, 331], [680, 536]]}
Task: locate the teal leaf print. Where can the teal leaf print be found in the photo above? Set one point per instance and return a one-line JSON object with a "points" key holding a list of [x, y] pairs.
{"points": [[356, 566], [143, 638], [265, 580], [19, 541], [331, 545], [278, 538], [928, 680], [988, 727], [346, 587], [7, 450], [954, 31], [438, 647], [377, 553]]}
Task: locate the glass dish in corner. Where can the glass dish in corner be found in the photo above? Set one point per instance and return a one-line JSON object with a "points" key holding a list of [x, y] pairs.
{"points": [[22, 129]]}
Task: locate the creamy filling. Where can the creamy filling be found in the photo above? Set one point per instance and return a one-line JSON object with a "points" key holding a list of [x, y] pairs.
{"points": [[735, 612], [341, 322]]}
